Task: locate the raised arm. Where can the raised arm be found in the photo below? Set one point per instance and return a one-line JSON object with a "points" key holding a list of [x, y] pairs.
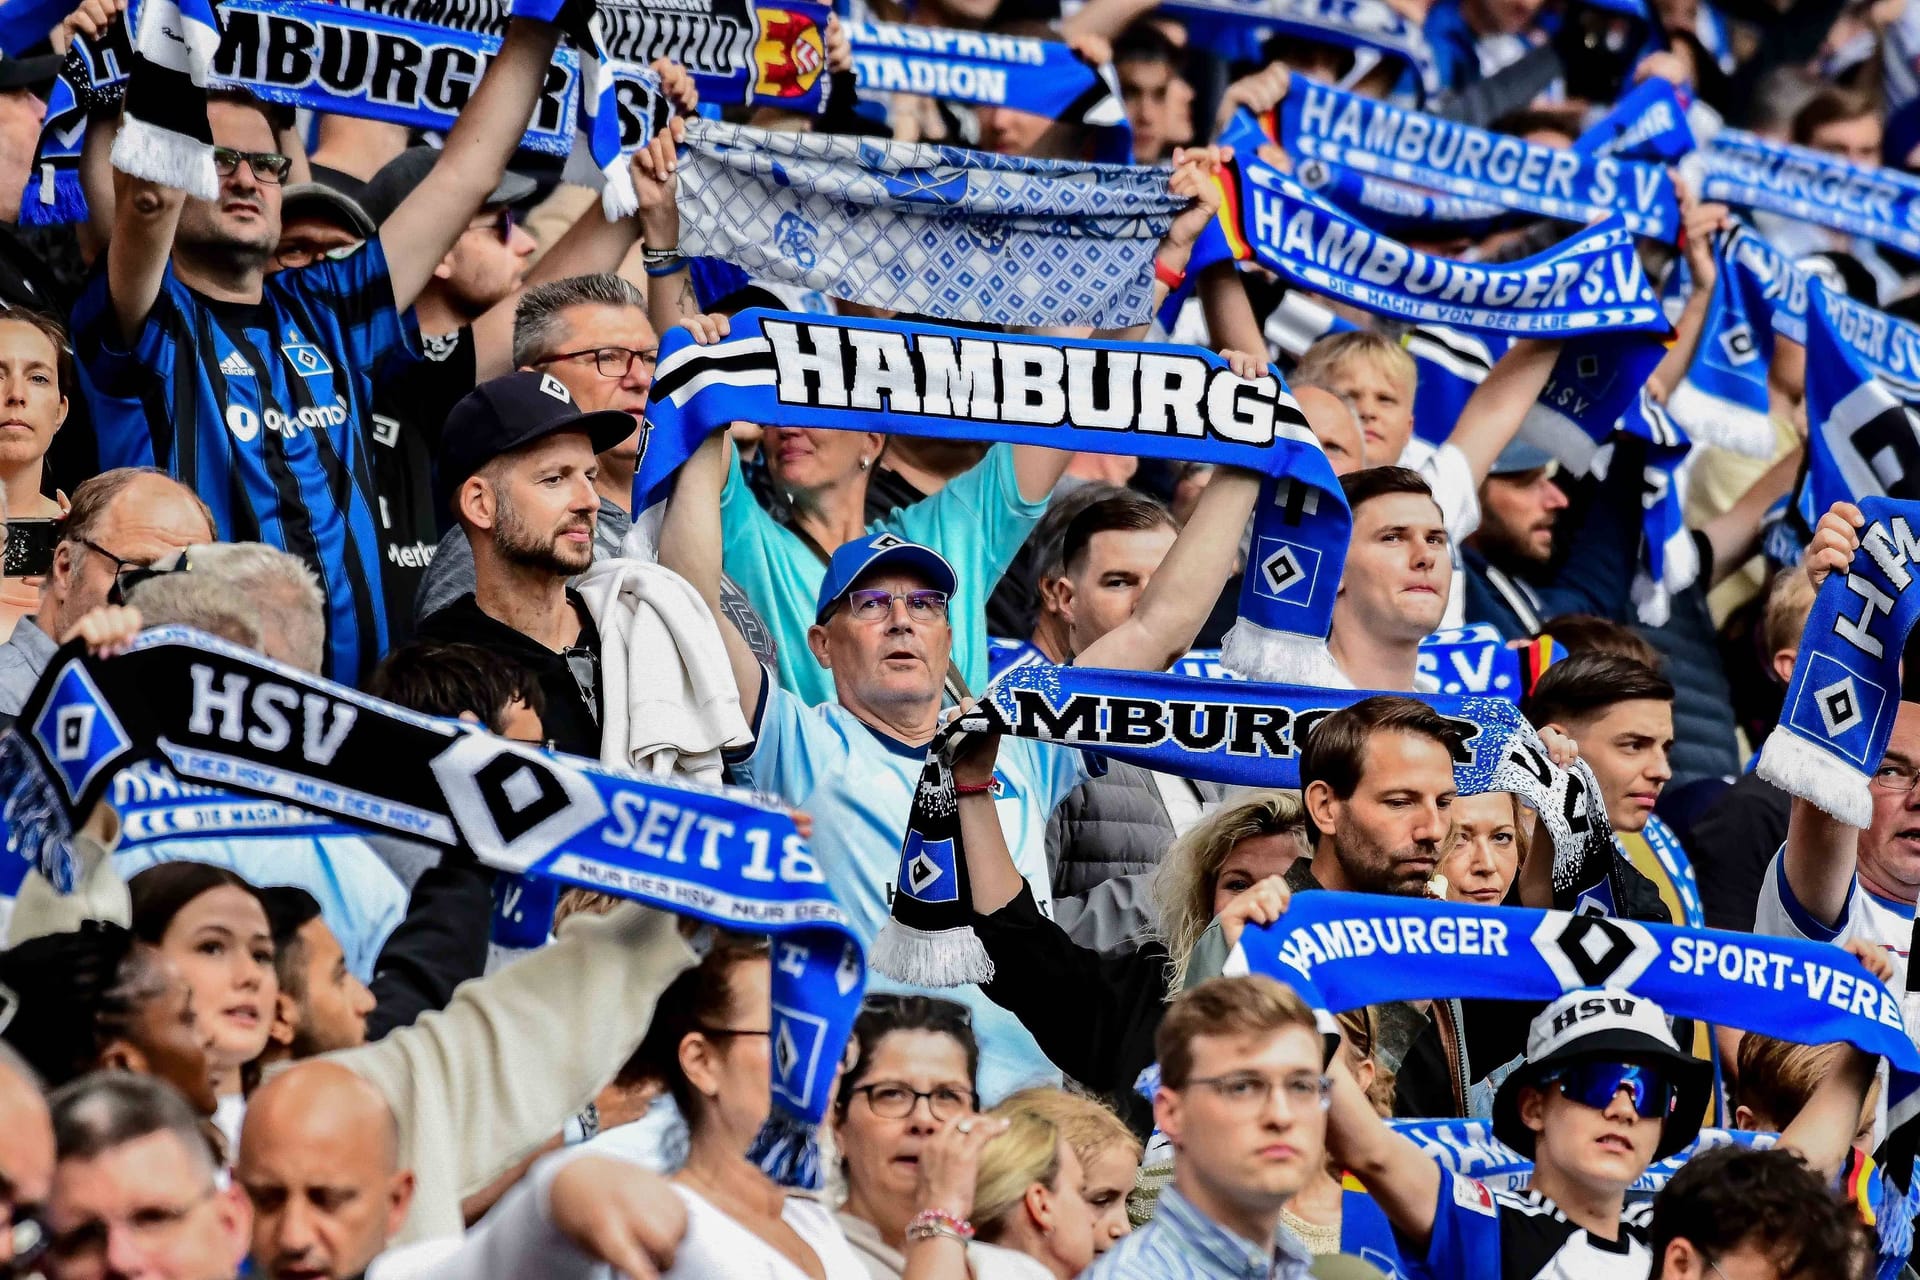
{"points": [[1702, 223], [1401, 1178], [1497, 407], [1818, 860], [1734, 534], [145, 216], [1823, 1131], [992, 877], [478, 147], [690, 546], [1188, 582]]}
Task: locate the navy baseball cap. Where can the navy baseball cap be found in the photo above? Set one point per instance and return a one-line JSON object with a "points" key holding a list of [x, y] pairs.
{"points": [[509, 412], [881, 551], [1519, 456]]}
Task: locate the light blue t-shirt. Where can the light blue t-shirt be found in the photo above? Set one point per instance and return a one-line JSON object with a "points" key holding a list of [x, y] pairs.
{"points": [[163, 819], [858, 784], [977, 522]]}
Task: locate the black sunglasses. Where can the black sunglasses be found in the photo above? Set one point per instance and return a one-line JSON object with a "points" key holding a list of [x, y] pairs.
{"points": [[128, 574], [583, 665]]}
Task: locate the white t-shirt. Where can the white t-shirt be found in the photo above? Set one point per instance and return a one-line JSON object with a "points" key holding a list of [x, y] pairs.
{"points": [[718, 1248], [1779, 914], [1450, 476]]}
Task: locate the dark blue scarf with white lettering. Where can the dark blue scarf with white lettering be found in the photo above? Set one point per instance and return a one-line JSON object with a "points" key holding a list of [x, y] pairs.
{"points": [[1370, 29], [1344, 950], [221, 715], [1648, 123], [1040, 77], [1148, 401], [1810, 186], [1723, 399], [1239, 734], [1322, 123], [1477, 660], [1840, 704], [1589, 283]]}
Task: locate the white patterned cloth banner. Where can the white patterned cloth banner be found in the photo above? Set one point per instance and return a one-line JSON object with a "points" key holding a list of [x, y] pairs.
{"points": [[932, 231]]}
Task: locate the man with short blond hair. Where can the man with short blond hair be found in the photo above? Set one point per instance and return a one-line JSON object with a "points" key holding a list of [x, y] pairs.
{"points": [[1242, 1100]]}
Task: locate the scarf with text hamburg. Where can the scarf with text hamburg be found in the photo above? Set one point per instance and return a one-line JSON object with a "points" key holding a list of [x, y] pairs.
{"points": [[928, 230], [221, 715], [1589, 283], [1138, 399], [1840, 704], [1320, 123], [1750, 172], [1238, 734]]}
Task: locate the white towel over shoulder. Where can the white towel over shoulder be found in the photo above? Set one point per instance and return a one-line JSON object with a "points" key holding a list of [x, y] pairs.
{"points": [[672, 706]]}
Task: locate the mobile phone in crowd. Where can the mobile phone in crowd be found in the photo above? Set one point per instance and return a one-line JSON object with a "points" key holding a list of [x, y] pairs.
{"points": [[30, 544]]}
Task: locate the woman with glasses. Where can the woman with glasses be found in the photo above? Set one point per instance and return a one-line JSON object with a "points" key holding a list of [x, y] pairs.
{"points": [[36, 373], [1096, 1014]]}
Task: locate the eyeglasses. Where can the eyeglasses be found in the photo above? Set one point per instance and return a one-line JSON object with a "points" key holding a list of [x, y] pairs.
{"points": [[269, 167], [1597, 1084], [1249, 1091], [583, 665], [148, 1226], [873, 605], [1895, 777], [501, 224], [128, 574], [293, 255], [891, 1100], [609, 362]]}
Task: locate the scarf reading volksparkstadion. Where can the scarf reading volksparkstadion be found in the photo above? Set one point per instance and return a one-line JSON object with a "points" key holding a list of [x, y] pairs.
{"points": [[933, 231], [1846, 683], [1589, 283], [1238, 734], [1318, 122], [781, 369], [1344, 950], [1750, 172], [222, 715]]}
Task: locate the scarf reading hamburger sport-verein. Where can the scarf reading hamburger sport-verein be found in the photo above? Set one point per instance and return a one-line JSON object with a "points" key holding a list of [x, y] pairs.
{"points": [[1344, 950], [1239, 734], [221, 715], [790, 370], [1846, 687], [1589, 283]]}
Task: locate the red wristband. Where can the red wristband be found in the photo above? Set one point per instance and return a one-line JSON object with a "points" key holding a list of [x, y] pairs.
{"points": [[971, 788], [1167, 276]]}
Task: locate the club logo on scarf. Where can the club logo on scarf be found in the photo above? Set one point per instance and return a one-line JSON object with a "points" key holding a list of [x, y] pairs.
{"points": [[789, 55], [927, 867], [79, 731], [1594, 950], [1287, 571], [514, 804]]}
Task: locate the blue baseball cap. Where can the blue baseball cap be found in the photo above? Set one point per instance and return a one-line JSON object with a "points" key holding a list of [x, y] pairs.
{"points": [[854, 560], [1519, 456]]}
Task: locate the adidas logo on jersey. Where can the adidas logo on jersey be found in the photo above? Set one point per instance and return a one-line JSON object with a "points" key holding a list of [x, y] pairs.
{"points": [[236, 366]]}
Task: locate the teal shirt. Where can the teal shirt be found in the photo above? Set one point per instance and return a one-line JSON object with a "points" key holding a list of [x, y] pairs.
{"points": [[977, 522]]}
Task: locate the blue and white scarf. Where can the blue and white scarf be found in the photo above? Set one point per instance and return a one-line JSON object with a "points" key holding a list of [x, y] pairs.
{"points": [[1669, 557], [1344, 950], [1723, 400], [1371, 29], [1250, 737], [1810, 186], [1399, 211], [935, 231], [1321, 123], [1448, 364], [782, 369], [221, 715], [1476, 660], [1592, 282], [1862, 437], [1649, 122], [1040, 77], [1840, 704], [1468, 1148], [53, 193]]}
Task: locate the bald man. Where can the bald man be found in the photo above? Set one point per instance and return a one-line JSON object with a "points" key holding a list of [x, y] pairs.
{"points": [[1333, 423], [26, 1156], [319, 1159]]}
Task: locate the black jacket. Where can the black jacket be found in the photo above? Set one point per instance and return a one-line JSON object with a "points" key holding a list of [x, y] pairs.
{"points": [[571, 724]]}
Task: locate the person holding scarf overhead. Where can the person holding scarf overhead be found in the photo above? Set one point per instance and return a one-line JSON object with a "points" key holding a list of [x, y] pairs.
{"points": [[882, 629]]}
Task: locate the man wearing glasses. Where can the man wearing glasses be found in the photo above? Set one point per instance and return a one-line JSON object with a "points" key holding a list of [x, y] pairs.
{"points": [[136, 1190], [257, 390], [1601, 1094], [1243, 1102], [26, 1158], [120, 521]]}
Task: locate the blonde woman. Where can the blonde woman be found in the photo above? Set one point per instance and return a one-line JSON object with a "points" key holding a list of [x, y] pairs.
{"points": [[1094, 1014], [1108, 1152], [1030, 1192]]}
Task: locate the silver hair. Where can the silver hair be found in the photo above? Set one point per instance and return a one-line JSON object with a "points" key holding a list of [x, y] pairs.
{"points": [[536, 317], [245, 592]]}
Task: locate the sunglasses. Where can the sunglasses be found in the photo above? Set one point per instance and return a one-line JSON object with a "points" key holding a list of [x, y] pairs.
{"points": [[1597, 1084], [268, 167], [583, 665], [501, 224]]}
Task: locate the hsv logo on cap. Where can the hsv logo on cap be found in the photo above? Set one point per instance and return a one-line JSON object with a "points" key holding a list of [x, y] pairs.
{"points": [[555, 388]]}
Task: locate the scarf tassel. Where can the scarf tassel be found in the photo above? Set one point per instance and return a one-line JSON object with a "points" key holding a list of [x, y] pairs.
{"points": [[154, 154], [930, 958], [1254, 652], [1716, 420], [1796, 765], [787, 1149]]}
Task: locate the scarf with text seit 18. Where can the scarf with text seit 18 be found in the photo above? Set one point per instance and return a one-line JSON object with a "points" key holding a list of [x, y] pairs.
{"points": [[1149, 401], [221, 715], [1239, 734]]}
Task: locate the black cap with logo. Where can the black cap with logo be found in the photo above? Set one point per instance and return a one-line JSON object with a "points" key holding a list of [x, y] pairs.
{"points": [[511, 412]]}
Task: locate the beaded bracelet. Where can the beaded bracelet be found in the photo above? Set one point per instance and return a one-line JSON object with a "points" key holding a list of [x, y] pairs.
{"points": [[931, 1223]]}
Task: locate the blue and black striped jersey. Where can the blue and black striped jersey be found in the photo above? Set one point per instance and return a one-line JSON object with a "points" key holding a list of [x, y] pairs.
{"points": [[263, 409]]}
